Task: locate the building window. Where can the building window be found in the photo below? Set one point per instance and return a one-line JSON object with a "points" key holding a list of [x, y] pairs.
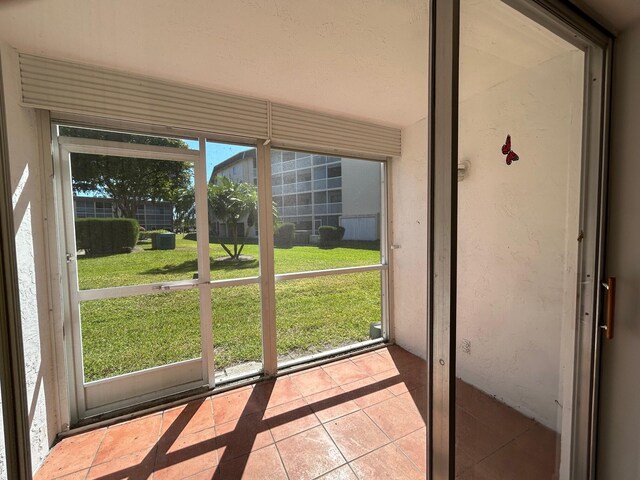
{"points": [[334, 171]]}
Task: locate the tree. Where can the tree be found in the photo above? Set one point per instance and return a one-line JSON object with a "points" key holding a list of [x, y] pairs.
{"points": [[233, 203], [184, 208], [127, 181]]}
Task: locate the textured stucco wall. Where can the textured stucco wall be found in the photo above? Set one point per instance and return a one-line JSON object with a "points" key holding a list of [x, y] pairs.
{"points": [[619, 422], [409, 233], [514, 227], [26, 187]]}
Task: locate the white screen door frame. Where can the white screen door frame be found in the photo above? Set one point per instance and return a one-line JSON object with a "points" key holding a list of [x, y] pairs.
{"points": [[596, 43], [96, 397]]}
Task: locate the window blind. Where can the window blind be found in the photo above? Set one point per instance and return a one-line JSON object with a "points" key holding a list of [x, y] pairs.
{"points": [[64, 86]]}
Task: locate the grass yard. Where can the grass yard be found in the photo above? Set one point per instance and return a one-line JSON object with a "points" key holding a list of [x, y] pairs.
{"points": [[127, 334], [152, 266]]}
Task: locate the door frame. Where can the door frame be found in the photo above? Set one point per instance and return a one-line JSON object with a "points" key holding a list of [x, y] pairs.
{"points": [[96, 397], [596, 42]]}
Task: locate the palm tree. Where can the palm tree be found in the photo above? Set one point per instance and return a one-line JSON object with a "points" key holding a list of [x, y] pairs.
{"points": [[233, 203]]}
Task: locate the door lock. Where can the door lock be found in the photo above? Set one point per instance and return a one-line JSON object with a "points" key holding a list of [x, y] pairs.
{"points": [[70, 258]]}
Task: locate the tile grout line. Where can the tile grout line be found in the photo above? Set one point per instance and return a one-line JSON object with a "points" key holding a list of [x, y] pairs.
{"points": [[97, 450], [407, 457], [335, 445], [405, 453], [286, 472], [364, 454]]}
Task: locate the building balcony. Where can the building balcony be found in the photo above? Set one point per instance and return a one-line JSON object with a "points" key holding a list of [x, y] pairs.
{"points": [[327, 208], [288, 166], [303, 162], [334, 182], [303, 187], [289, 188]]}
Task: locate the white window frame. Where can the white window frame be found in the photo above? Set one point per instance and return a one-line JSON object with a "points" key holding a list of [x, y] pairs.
{"points": [[199, 373]]}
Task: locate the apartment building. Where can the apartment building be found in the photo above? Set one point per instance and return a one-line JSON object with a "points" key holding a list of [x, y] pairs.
{"points": [[312, 190], [150, 215]]}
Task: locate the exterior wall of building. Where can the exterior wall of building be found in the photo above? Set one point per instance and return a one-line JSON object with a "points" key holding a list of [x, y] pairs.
{"points": [[31, 250], [307, 188], [244, 170], [361, 199], [360, 187], [150, 215]]}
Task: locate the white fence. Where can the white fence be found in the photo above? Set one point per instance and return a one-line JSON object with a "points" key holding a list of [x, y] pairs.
{"points": [[360, 228]]}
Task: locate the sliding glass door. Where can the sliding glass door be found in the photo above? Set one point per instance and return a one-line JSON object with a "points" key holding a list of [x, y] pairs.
{"points": [[518, 98]]}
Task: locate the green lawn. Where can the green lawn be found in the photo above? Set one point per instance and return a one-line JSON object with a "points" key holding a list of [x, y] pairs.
{"points": [[152, 266], [127, 334]]}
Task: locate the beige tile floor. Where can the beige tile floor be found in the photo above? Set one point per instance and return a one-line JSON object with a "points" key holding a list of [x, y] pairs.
{"points": [[361, 418]]}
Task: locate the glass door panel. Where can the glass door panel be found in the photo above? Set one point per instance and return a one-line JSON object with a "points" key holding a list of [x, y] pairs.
{"points": [[329, 261], [319, 314], [132, 260], [233, 211], [329, 211], [520, 146], [129, 334], [234, 250], [237, 331], [158, 194]]}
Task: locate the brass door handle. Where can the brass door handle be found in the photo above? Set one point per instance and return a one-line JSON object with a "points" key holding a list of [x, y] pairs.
{"points": [[610, 285]]}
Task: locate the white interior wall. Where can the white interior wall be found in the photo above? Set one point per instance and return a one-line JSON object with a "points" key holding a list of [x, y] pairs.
{"points": [[28, 211], [513, 230], [619, 419], [409, 236]]}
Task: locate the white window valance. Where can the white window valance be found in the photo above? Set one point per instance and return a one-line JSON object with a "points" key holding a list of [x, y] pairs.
{"points": [[63, 86]]}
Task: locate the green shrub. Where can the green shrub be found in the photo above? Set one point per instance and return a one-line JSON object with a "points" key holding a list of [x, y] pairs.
{"points": [[330, 236], [97, 236], [284, 235]]}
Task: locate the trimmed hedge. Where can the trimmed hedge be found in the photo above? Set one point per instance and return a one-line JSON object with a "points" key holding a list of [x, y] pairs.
{"points": [[284, 235], [97, 236], [330, 236]]}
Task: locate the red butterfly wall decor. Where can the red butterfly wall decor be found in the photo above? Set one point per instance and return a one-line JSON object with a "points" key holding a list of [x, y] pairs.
{"points": [[506, 150]]}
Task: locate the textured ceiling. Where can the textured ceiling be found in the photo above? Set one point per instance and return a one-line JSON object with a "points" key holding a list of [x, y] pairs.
{"points": [[364, 58], [614, 14]]}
